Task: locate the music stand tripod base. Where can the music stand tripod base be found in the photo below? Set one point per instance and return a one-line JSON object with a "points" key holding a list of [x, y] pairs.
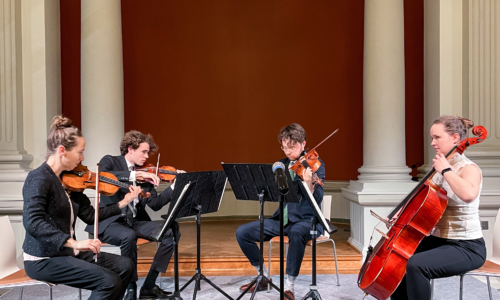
{"points": [[198, 276]]}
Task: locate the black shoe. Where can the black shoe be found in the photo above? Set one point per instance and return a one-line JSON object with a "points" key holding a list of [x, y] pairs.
{"points": [[131, 294], [155, 293]]}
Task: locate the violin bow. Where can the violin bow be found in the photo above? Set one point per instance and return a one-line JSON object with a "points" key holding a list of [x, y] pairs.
{"points": [[157, 164], [96, 215], [324, 140]]}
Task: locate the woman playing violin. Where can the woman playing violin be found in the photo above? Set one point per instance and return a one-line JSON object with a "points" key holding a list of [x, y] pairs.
{"points": [[456, 244], [51, 252]]}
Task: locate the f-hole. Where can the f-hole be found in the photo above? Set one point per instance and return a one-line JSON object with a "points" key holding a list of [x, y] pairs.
{"points": [[389, 241]]}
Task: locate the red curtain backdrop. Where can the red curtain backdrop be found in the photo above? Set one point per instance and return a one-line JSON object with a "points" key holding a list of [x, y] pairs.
{"points": [[214, 81]]}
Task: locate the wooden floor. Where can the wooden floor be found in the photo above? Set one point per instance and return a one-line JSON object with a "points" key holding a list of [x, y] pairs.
{"points": [[221, 255]]}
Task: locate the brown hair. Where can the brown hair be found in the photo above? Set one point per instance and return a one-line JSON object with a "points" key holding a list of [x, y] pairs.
{"points": [[293, 132], [454, 125], [134, 138], [62, 133]]}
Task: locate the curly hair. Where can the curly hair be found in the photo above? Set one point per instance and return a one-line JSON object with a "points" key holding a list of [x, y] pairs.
{"points": [[62, 133], [454, 125], [134, 138], [293, 132]]}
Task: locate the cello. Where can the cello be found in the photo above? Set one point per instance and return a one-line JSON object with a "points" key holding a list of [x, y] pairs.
{"points": [[420, 211]]}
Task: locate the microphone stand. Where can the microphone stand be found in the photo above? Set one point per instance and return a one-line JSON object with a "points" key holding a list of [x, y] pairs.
{"points": [[261, 278]]}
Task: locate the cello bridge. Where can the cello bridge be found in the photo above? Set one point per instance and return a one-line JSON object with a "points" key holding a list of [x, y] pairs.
{"points": [[383, 234]]}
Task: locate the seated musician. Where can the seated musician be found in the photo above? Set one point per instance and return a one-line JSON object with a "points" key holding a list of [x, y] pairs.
{"points": [[134, 222], [456, 244], [51, 252], [297, 216]]}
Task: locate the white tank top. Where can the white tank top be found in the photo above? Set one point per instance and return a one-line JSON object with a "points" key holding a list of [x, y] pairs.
{"points": [[460, 220]]}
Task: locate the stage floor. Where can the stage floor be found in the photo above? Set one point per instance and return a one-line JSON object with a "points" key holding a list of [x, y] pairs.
{"points": [[221, 255]]}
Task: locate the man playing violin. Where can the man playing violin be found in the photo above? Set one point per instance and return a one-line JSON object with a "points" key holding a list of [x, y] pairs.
{"points": [[297, 216], [134, 222]]}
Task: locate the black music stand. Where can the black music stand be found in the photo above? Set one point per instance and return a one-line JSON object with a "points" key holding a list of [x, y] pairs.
{"points": [[256, 182], [179, 196], [203, 195], [327, 226]]}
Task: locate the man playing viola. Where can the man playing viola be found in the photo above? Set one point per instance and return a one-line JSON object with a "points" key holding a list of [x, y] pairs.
{"points": [[297, 216], [134, 222]]}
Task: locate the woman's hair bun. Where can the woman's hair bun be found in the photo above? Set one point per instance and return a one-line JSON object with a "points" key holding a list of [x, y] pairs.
{"points": [[61, 122], [467, 123]]}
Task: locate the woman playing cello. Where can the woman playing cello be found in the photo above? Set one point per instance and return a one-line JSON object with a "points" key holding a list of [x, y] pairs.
{"points": [[51, 252], [456, 244]]}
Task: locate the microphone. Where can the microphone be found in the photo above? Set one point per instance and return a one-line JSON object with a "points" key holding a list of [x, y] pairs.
{"points": [[280, 177]]}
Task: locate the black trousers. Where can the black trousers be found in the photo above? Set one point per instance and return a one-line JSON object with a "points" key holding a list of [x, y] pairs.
{"points": [[107, 278], [121, 234], [437, 258], [298, 233]]}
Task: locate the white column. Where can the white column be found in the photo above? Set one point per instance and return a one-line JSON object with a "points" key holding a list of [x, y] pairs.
{"points": [[384, 156], [384, 178], [461, 77], [101, 79], [444, 66], [13, 158], [41, 69], [482, 82], [30, 96]]}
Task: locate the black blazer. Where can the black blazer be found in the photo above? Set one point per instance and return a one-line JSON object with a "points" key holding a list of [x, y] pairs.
{"points": [[46, 213], [117, 165], [303, 210]]}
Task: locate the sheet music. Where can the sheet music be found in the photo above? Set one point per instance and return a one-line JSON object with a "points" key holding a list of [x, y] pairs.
{"points": [[178, 202], [222, 195], [319, 214]]}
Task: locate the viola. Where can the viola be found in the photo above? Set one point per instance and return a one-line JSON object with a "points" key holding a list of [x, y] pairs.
{"points": [[420, 211], [166, 173], [81, 178], [310, 160]]}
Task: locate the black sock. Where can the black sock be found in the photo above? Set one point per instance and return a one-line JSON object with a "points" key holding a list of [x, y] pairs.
{"points": [[132, 285], [149, 282]]}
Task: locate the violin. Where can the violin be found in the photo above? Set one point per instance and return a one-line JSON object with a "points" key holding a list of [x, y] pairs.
{"points": [[166, 173], [310, 160], [81, 178]]}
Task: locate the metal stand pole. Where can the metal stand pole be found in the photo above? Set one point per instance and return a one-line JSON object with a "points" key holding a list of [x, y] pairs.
{"points": [[260, 278], [313, 288], [198, 276], [177, 294]]}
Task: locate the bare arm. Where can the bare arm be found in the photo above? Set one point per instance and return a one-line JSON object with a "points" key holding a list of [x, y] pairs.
{"points": [[466, 184]]}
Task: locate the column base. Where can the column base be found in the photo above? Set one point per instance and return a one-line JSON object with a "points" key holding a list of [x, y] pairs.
{"points": [[380, 197], [391, 174], [13, 171]]}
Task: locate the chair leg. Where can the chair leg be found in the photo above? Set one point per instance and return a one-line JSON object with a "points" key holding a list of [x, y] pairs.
{"points": [[489, 287], [336, 266], [21, 294], [159, 275], [80, 294], [269, 265], [50, 292], [461, 286], [432, 289]]}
